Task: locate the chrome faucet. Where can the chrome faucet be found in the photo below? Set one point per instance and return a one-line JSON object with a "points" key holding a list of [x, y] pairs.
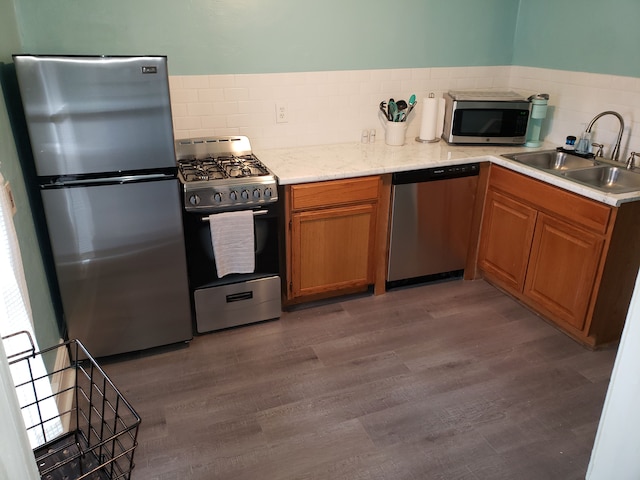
{"points": [[631, 160], [615, 153], [598, 147]]}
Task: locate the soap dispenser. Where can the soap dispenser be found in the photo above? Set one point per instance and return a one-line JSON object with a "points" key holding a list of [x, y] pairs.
{"points": [[538, 113]]}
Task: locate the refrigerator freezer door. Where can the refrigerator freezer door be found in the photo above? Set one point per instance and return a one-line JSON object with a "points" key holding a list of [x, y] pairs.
{"points": [[120, 261], [96, 114]]}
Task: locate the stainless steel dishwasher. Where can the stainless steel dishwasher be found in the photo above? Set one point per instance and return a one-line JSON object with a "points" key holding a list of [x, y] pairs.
{"points": [[430, 223]]}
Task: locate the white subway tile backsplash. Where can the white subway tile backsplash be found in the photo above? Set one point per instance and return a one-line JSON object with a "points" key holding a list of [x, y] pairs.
{"points": [[183, 95], [238, 120], [187, 123], [576, 97], [199, 109], [210, 95], [213, 122], [335, 106], [224, 108], [235, 94], [175, 82], [179, 110], [195, 81], [220, 81]]}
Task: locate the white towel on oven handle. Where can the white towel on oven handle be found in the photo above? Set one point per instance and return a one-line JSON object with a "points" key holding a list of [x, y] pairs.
{"points": [[233, 242]]}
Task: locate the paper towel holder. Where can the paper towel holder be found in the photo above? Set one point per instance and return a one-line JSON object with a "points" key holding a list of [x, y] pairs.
{"points": [[437, 137], [419, 140]]}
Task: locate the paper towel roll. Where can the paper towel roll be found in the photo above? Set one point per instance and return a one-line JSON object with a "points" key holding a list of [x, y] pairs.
{"points": [[440, 120], [429, 119]]}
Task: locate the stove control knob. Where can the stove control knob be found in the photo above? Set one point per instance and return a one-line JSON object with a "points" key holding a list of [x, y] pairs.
{"points": [[217, 197], [245, 194], [194, 200], [267, 193], [233, 195], [257, 193]]}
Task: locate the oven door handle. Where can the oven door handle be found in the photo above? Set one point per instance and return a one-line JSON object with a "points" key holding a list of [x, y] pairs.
{"points": [[255, 214]]}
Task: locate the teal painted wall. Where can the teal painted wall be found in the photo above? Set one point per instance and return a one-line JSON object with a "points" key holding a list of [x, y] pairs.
{"points": [[9, 37], [594, 36], [260, 36], [44, 318]]}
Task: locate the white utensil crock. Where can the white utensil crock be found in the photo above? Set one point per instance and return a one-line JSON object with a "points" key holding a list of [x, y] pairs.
{"points": [[395, 133]]}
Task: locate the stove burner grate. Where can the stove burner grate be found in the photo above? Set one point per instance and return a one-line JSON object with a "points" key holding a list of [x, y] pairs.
{"points": [[231, 166]]}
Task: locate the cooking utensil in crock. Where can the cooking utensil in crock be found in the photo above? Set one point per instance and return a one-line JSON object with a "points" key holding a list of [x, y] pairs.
{"points": [[412, 103], [383, 109], [393, 111]]}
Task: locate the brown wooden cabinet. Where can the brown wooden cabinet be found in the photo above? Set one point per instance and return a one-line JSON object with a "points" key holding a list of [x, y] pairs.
{"points": [[506, 239], [563, 255], [562, 268], [332, 237]]}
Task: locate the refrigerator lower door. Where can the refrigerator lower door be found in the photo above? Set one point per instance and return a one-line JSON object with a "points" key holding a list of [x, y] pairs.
{"points": [[120, 262]]}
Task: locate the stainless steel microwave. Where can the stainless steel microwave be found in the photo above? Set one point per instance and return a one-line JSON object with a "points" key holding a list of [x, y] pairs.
{"points": [[485, 117]]}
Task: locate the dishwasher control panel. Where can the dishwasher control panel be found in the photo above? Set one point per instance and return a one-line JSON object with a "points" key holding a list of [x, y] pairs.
{"points": [[436, 173]]}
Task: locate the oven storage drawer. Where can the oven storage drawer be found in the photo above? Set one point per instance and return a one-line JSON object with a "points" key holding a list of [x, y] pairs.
{"points": [[236, 304]]}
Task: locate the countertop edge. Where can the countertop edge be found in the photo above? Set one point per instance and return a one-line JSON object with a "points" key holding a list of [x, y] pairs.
{"points": [[291, 166]]}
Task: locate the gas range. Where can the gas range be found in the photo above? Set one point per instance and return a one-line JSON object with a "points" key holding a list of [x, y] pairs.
{"points": [[222, 173]]}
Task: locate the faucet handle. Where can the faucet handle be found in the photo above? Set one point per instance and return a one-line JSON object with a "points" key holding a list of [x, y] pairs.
{"points": [[631, 160], [599, 151]]}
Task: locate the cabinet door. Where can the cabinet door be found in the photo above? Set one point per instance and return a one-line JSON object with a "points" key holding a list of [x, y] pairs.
{"points": [[332, 249], [563, 268], [505, 240]]}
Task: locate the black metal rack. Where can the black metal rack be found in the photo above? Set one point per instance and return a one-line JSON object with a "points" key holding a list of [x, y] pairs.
{"points": [[99, 428]]}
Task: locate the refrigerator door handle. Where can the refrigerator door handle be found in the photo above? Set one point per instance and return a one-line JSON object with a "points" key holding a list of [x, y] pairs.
{"points": [[108, 180]]}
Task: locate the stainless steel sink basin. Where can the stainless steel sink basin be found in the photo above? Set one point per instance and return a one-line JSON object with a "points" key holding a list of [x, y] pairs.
{"points": [[606, 178], [551, 160], [600, 174]]}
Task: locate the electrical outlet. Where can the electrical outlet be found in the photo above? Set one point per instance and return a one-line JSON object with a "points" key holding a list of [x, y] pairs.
{"points": [[282, 114]]}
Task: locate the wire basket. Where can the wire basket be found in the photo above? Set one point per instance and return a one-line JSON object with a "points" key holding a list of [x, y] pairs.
{"points": [[79, 424]]}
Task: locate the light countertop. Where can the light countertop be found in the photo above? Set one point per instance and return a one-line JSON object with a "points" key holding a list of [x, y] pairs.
{"points": [[330, 162]]}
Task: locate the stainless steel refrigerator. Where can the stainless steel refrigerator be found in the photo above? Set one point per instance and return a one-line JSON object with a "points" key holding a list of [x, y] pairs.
{"points": [[102, 139]]}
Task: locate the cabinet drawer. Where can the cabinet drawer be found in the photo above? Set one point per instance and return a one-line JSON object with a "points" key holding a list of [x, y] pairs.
{"points": [[334, 192], [580, 210]]}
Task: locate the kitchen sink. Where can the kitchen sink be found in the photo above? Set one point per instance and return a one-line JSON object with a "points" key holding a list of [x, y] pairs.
{"points": [[606, 178], [551, 160], [601, 174]]}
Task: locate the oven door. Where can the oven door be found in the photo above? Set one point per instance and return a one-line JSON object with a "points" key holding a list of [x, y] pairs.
{"points": [[234, 299], [200, 258]]}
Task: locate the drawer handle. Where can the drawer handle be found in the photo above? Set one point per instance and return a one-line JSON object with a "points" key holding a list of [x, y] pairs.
{"points": [[239, 297]]}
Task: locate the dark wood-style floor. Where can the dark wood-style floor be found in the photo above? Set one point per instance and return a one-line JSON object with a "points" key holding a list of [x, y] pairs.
{"points": [[445, 381]]}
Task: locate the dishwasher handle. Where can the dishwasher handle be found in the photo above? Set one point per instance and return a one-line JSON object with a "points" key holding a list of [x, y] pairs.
{"points": [[435, 173]]}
